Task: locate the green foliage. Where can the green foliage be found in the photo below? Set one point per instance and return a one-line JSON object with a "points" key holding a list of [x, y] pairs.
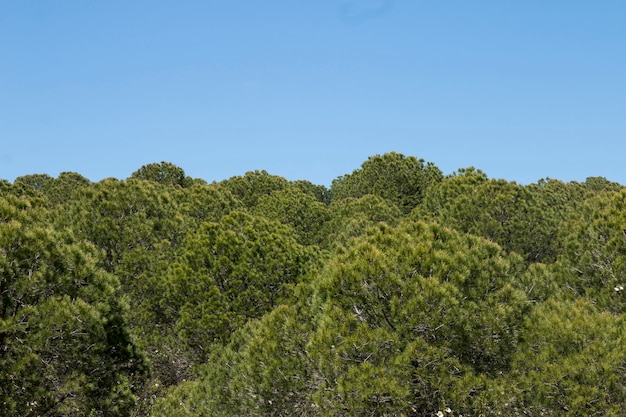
{"points": [[350, 217], [227, 273], [397, 292], [392, 176], [380, 332], [65, 348], [37, 182], [261, 373], [202, 202], [119, 216], [250, 259], [64, 186], [570, 363], [601, 184], [320, 192], [5, 187], [593, 262], [253, 185], [55, 190], [164, 173], [501, 211], [31, 187], [428, 281], [293, 207]]}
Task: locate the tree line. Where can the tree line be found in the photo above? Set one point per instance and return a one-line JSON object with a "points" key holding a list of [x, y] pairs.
{"points": [[395, 291]]}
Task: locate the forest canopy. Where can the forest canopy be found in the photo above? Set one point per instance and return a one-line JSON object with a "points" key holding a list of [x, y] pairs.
{"points": [[396, 291]]}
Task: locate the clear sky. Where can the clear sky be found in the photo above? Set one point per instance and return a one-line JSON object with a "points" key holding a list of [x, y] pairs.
{"points": [[309, 89]]}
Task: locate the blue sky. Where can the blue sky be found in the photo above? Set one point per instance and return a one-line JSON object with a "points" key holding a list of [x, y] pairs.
{"points": [[309, 89]]}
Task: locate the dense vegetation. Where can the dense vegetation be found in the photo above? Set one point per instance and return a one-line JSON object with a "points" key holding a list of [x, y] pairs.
{"points": [[397, 291]]}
